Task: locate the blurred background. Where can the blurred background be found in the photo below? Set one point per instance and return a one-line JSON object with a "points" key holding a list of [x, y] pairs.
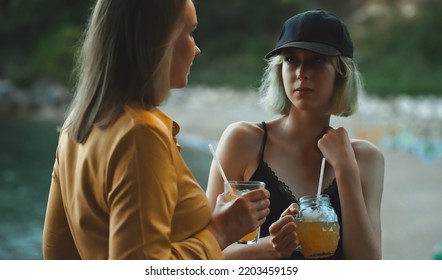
{"points": [[397, 47]]}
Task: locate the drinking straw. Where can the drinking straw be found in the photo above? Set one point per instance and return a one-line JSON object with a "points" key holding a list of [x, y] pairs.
{"points": [[321, 176], [218, 163]]}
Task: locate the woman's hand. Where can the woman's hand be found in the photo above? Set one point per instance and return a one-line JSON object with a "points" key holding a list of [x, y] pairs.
{"points": [[234, 219], [283, 233], [336, 147]]}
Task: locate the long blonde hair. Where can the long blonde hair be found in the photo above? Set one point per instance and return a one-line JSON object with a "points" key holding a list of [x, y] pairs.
{"points": [[125, 56]]}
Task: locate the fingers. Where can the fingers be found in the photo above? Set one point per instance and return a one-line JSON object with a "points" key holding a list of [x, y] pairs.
{"points": [[256, 195], [244, 213], [330, 131], [258, 200], [233, 217], [335, 145], [256, 210], [287, 221], [333, 136], [292, 210], [283, 236], [286, 247]]}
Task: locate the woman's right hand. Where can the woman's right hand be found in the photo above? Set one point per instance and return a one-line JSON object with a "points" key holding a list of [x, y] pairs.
{"points": [[234, 219], [283, 233]]}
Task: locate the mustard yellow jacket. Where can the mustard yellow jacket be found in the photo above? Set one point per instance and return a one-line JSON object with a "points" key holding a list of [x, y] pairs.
{"points": [[126, 193]]}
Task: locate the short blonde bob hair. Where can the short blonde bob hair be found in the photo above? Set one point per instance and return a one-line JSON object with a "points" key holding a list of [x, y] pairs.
{"points": [[348, 86]]}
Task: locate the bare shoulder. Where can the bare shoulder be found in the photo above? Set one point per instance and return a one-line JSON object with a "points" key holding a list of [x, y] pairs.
{"points": [[371, 165], [365, 151], [241, 143], [243, 133]]}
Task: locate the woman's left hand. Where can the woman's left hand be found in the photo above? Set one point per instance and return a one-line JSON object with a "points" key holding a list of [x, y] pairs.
{"points": [[335, 146]]}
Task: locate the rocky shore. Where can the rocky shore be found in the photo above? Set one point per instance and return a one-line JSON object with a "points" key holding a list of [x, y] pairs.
{"points": [[43, 99]]}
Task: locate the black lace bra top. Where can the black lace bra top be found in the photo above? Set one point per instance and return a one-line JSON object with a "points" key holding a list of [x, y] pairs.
{"points": [[281, 197]]}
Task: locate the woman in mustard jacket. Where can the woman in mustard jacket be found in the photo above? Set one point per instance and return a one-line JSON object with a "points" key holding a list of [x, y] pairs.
{"points": [[120, 188]]}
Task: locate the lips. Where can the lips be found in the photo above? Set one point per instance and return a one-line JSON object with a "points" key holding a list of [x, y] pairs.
{"points": [[304, 90]]}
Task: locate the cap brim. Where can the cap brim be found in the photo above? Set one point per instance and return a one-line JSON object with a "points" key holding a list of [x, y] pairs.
{"points": [[310, 46]]}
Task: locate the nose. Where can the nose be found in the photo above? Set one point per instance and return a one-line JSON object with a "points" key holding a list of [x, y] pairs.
{"points": [[303, 71], [197, 51]]}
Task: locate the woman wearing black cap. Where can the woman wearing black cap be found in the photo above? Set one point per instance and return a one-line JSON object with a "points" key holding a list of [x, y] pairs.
{"points": [[310, 76]]}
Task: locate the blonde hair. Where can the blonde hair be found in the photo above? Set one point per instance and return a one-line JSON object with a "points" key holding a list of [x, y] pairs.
{"points": [[125, 56], [348, 86]]}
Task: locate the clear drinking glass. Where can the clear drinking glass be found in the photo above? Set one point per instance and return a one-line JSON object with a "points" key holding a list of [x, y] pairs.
{"points": [[235, 189]]}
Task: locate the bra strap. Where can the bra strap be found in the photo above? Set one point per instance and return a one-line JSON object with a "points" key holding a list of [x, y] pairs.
{"points": [[264, 140]]}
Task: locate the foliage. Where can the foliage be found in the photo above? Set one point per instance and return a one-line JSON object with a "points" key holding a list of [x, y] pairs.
{"points": [[38, 39], [405, 58], [234, 36]]}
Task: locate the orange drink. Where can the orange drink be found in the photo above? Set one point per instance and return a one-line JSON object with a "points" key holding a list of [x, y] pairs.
{"points": [[318, 239], [250, 237]]}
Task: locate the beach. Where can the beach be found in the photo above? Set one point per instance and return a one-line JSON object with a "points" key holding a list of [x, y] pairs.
{"points": [[409, 133]]}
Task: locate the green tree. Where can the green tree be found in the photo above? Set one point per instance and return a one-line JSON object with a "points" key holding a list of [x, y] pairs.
{"points": [[396, 54], [405, 57], [37, 38], [234, 37]]}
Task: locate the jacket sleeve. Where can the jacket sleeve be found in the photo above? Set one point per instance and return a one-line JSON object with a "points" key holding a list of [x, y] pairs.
{"points": [[142, 195], [58, 242]]}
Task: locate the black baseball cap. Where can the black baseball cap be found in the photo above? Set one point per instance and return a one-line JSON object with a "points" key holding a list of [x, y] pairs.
{"points": [[315, 30]]}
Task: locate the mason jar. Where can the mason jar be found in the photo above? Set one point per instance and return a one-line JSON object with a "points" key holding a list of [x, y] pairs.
{"points": [[317, 226]]}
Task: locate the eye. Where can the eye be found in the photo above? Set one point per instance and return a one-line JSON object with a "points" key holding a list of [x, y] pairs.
{"points": [[290, 59], [193, 30], [320, 59]]}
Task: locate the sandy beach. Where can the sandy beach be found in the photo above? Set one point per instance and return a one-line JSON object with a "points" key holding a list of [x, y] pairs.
{"points": [[411, 205]]}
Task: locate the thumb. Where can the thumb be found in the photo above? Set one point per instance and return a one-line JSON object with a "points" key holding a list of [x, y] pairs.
{"points": [[291, 210]]}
